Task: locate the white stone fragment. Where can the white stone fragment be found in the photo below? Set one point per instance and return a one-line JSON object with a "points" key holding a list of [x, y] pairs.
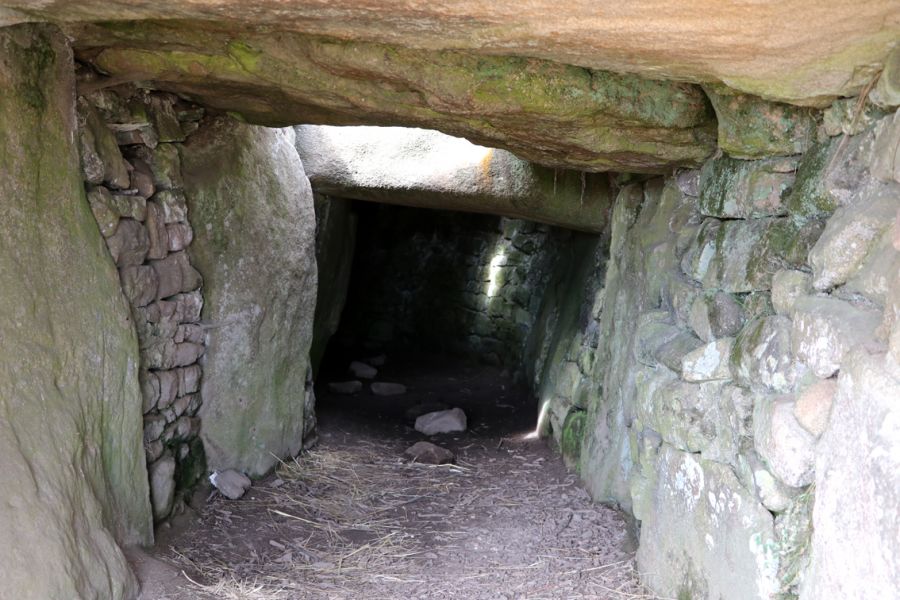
{"points": [[232, 484], [444, 421], [362, 370]]}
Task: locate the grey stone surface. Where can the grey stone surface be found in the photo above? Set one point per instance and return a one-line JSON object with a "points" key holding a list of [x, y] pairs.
{"points": [[787, 286], [74, 478], [362, 370], [825, 329], [231, 483], [397, 166], [254, 231], [162, 486], [761, 357], [813, 406], [429, 454], [711, 362], [781, 442], [444, 421], [129, 244], [706, 535], [740, 189], [856, 551]]}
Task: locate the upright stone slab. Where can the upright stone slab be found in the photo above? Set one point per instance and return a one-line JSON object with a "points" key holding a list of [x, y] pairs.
{"points": [[252, 211], [706, 535], [74, 480]]}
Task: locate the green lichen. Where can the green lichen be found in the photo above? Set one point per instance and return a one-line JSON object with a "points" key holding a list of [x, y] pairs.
{"points": [[572, 437], [808, 198]]}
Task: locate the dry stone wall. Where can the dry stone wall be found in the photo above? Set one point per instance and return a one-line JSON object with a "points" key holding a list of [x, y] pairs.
{"points": [[131, 165], [741, 402]]}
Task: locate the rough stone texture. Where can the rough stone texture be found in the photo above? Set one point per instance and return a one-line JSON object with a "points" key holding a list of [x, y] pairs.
{"points": [[750, 127], [162, 486], [761, 357], [781, 442], [429, 454], [429, 169], [787, 286], [706, 536], [444, 421], [849, 236], [813, 406], [825, 329], [740, 189], [708, 363], [763, 51], [887, 92], [233, 484], [74, 480], [252, 212], [856, 552]]}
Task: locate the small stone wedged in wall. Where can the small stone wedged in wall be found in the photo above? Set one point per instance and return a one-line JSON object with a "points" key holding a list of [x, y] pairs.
{"points": [[741, 189]]}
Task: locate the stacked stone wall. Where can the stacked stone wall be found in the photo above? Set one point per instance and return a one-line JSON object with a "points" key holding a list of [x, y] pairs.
{"points": [[129, 145]]}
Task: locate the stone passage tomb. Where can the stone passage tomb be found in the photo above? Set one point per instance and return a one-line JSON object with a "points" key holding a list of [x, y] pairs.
{"points": [[491, 300]]}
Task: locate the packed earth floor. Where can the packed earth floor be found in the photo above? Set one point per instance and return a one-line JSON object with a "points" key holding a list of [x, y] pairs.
{"points": [[353, 518]]}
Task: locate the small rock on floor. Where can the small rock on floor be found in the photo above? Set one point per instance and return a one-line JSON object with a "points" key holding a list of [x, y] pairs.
{"points": [[345, 387], [429, 454], [232, 484], [383, 388], [362, 370], [414, 412], [444, 421]]}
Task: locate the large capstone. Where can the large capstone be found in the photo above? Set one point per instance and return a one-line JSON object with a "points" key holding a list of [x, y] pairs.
{"points": [[252, 212]]}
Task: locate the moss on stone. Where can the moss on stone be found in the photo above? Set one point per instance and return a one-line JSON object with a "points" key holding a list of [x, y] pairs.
{"points": [[572, 437], [808, 198]]}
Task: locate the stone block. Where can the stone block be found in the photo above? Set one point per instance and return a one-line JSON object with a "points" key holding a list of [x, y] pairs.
{"points": [[157, 232], [102, 161], [705, 535], [688, 181], [717, 315], [153, 451], [154, 425], [129, 244], [189, 379], [741, 189], [887, 91], [181, 430], [106, 216], [885, 157], [149, 390], [142, 179], [826, 329], [181, 404], [139, 283], [190, 333], [168, 388], [855, 551], [187, 353], [188, 307], [787, 286], [176, 275], [761, 357], [165, 165], [180, 236], [850, 235], [232, 484], [174, 205], [879, 271], [710, 362], [787, 449], [165, 120], [362, 370], [774, 494], [162, 486], [671, 353], [813, 406], [130, 206], [844, 117]]}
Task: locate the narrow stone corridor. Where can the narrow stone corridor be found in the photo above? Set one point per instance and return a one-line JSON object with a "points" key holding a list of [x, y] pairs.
{"points": [[353, 518]]}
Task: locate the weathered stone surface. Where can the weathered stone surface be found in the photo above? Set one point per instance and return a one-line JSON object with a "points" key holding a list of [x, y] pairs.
{"points": [[708, 363], [750, 127], [787, 286], [101, 206], [825, 329], [671, 353], [781, 442], [384, 388], [168, 388], [444, 421], [397, 166], [259, 285], [887, 92], [706, 535], [845, 117], [885, 158], [429, 454], [157, 233], [773, 493], [762, 53], [74, 480], [813, 406], [175, 275], [879, 271], [740, 189], [345, 387], [233, 484], [129, 244], [180, 236], [139, 284], [101, 159], [850, 235], [149, 390], [189, 379], [165, 167], [142, 178], [129, 206], [362, 370], [761, 357], [173, 204], [741, 256], [856, 552], [717, 315], [162, 486]]}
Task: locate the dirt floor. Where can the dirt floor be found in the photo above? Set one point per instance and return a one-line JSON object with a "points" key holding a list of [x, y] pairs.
{"points": [[353, 519]]}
